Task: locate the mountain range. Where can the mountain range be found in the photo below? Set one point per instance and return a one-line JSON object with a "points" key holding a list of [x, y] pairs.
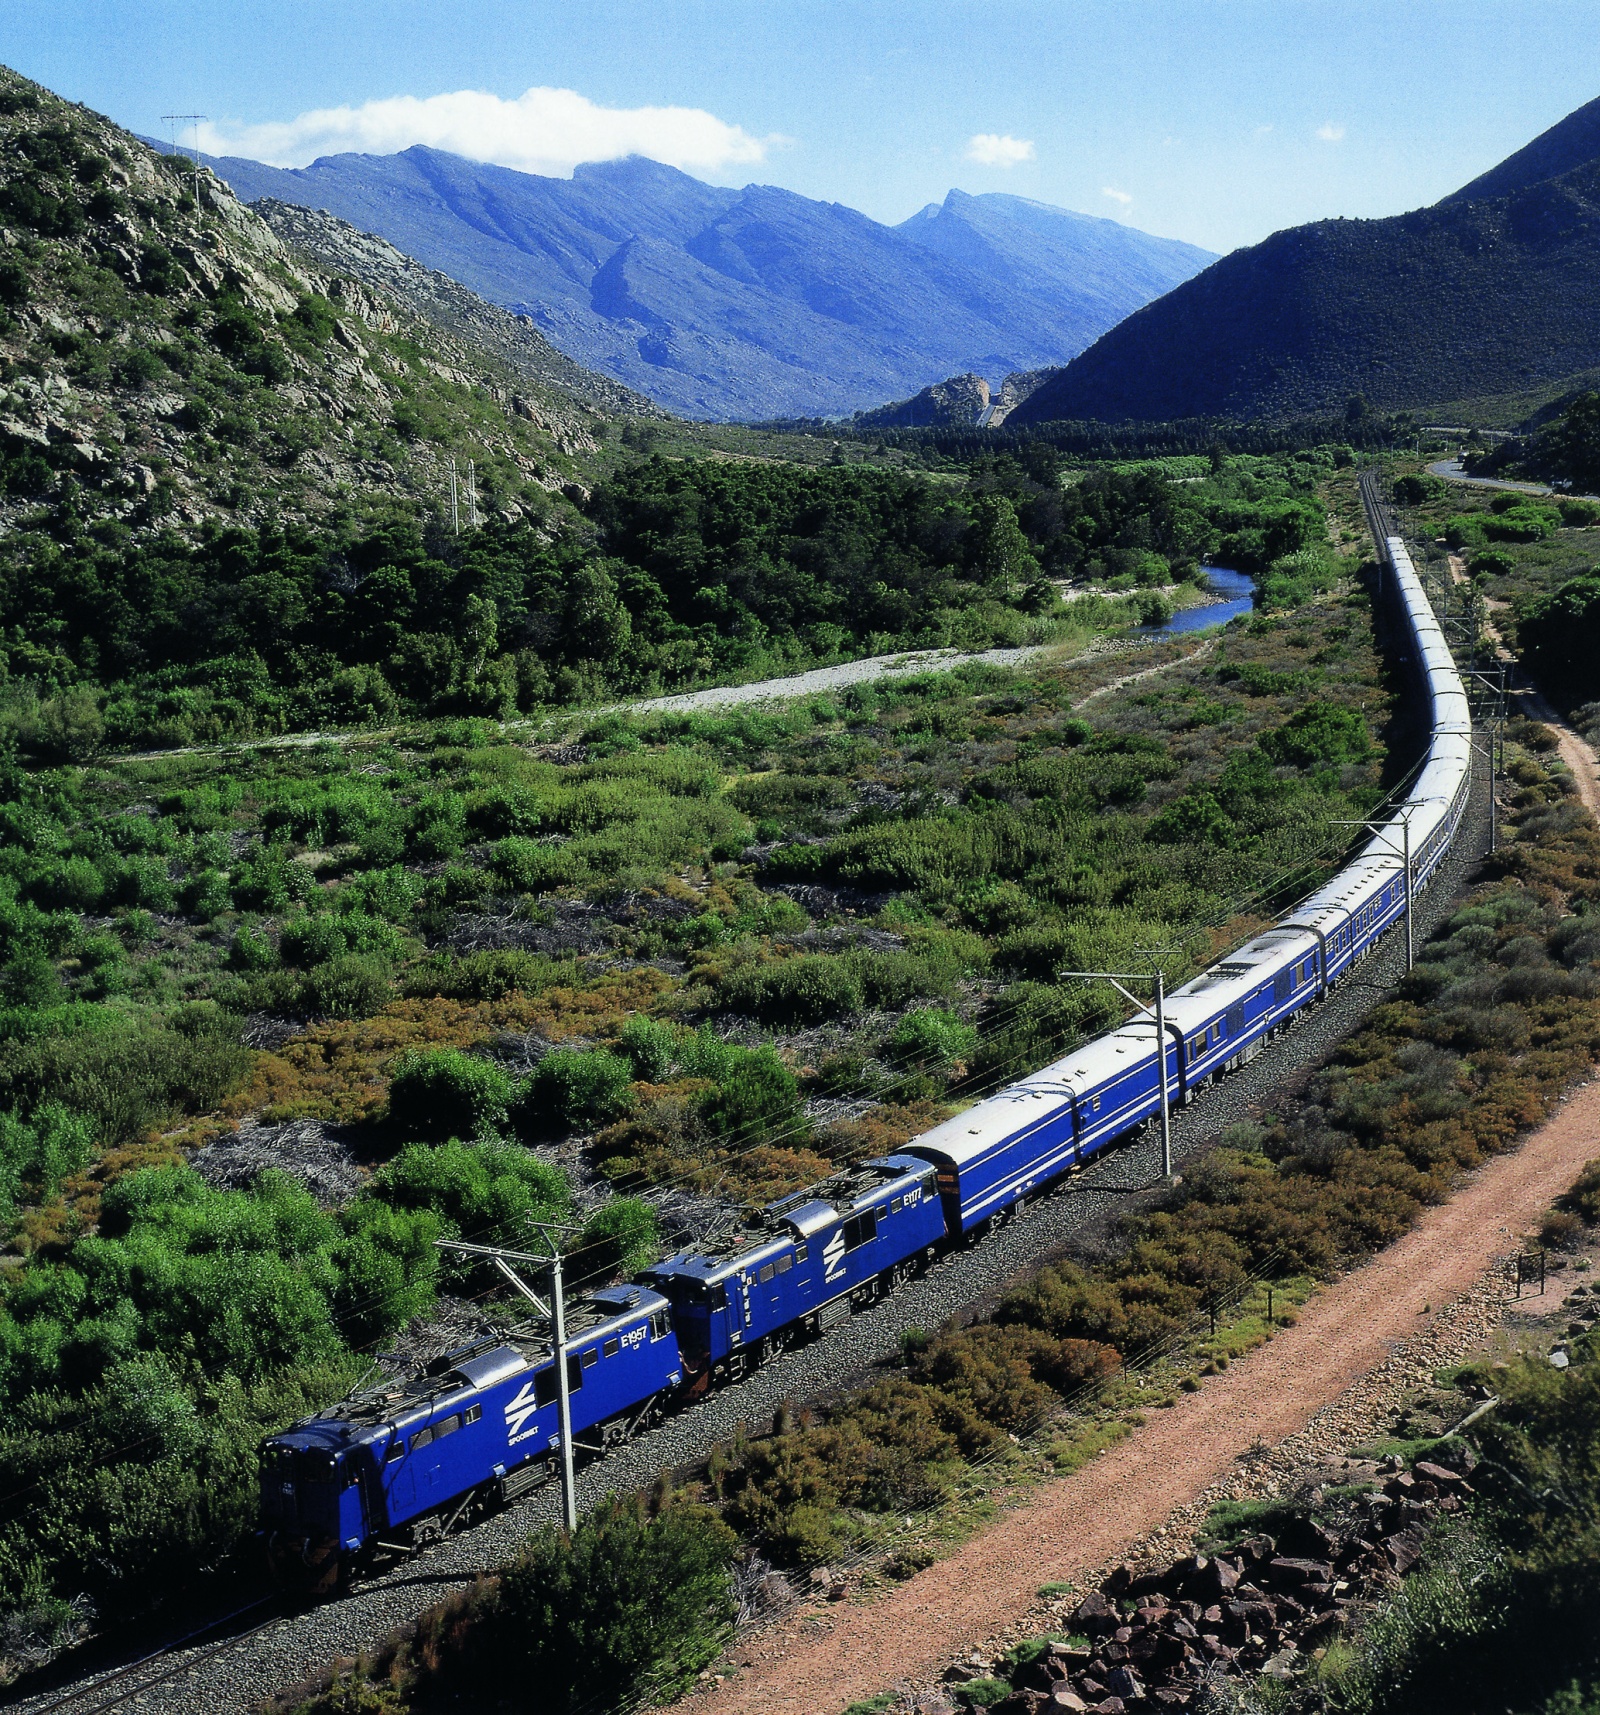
{"points": [[1494, 289], [747, 304]]}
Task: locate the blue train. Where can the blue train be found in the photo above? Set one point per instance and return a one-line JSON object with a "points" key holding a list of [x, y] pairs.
{"points": [[398, 1466]]}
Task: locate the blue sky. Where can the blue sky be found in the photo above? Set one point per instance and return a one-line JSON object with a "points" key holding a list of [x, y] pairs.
{"points": [[1216, 121]]}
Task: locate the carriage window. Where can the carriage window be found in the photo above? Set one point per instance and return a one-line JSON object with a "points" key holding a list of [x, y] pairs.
{"points": [[785, 1263], [611, 1348], [765, 1273], [1097, 1104], [895, 1205]]}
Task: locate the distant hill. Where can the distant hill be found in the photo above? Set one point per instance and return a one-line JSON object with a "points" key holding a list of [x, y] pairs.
{"points": [[754, 303], [1572, 142], [1480, 294]]}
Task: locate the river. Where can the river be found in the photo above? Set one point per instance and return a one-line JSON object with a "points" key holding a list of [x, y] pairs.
{"points": [[1235, 593]]}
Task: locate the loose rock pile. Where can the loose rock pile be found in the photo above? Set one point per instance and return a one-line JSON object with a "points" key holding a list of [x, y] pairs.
{"points": [[1157, 1641]]}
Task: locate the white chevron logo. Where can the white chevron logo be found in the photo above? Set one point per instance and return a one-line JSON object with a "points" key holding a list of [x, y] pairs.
{"points": [[833, 1255], [519, 1410]]}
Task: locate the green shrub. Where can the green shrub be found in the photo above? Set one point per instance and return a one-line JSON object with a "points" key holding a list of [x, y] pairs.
{"points": [[37, 1155], [485, 1191], [325, 935], [651, 1046], [930, 1036], [807, 989], [355, 985], [573, 1088], [534, 867], [622, 1237], [486, 976], [629, 1605], [447, 1094]]}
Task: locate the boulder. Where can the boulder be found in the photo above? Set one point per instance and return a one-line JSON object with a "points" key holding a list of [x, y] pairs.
{"points": [[1293, 1573], [1095, 1614], [1403, 1547], [1126, 1684], [1064, 1701]]}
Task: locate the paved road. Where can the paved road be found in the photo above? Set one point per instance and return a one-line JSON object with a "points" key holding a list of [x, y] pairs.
{"points": [[1451, 471]]}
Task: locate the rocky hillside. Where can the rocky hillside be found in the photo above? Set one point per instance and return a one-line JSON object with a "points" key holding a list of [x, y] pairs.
{"points": [[753, 304], [165, 359], [348, 253], [961, 400], [1493, 290]]}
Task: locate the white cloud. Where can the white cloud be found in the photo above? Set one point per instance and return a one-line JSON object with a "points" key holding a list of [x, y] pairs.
{"points": [[988, 150], [542, 131], [1331, 133], [1116, 195]]}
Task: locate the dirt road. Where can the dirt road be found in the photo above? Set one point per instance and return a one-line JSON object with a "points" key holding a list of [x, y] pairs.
{"points": [[1063, 1530]]}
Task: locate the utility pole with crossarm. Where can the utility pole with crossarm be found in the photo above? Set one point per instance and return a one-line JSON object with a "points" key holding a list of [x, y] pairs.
{"points": [[557, 1313]]}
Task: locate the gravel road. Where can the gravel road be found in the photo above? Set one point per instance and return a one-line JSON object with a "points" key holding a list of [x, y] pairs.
{"points": [[832, 678], [200, 1682]]}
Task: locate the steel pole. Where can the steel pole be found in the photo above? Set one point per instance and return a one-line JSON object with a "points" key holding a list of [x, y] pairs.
{"points": [[558, 1328], [1161, 1063], [1494, 811]]}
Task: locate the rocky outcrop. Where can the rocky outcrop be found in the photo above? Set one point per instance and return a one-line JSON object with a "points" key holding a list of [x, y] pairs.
{"points": [[1155, 1641]]}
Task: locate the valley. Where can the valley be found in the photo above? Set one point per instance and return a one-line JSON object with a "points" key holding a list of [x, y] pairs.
{"points": [[528, 706]]}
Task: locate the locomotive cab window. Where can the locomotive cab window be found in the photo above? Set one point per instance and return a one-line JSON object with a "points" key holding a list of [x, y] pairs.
{"points": [[397, 1451], [472, 1414], [660, 1324], [861, 1230], [801, 1251], [766, 1272]]}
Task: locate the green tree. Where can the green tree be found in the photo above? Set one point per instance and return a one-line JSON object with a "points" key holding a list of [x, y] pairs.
{"points": [[627, 1604]]}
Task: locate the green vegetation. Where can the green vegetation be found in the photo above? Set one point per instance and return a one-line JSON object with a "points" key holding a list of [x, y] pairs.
{"points": [[631, 1604]]}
